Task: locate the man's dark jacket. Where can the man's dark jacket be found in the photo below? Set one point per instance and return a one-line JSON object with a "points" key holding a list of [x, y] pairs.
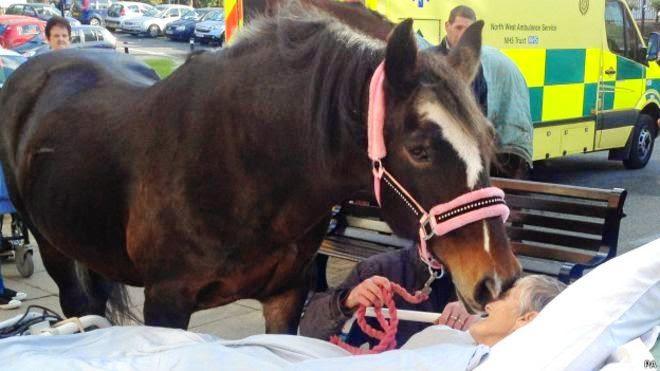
{"points": [[325, 315]]}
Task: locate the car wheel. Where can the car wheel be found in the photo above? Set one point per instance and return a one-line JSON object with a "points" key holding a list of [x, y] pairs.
{"points": [[641, 147], [94, 22], [221, 42], [111, 29], [154, 30], [203, 41]]}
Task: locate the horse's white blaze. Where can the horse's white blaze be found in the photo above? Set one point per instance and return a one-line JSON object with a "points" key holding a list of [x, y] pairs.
{"points": [[486, 238], [466, 146]]}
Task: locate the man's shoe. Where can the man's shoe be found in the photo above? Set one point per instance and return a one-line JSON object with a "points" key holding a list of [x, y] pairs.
{"points": [[8, 304], [10, 294]]}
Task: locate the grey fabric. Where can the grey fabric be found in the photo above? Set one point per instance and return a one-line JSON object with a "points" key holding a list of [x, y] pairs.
{"points": [[508, 104]]}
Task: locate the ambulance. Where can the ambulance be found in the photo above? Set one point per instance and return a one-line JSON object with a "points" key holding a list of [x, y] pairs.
{"points": [[593, 85]]}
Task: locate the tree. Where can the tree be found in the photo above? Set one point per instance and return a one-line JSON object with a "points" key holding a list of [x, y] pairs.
{"points": [[655, 4]]}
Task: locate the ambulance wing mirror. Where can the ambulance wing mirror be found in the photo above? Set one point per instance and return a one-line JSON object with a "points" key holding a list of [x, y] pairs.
{"points": [[653, 47]]}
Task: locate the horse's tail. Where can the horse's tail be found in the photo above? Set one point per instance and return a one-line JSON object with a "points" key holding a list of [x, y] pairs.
{"points": [[118, 308]]}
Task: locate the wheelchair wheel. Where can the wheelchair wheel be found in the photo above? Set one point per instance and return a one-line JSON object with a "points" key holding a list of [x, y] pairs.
{"points": [[24, 261]]}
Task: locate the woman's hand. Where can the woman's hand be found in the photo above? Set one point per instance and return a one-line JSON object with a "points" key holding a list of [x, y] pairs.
{"points": [[368, 293], [456, 316]]}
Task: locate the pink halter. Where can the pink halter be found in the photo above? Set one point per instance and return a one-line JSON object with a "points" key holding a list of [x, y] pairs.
{"points": [[443, 218]]}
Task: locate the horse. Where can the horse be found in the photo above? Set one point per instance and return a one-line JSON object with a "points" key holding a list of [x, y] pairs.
{"points": [[217, 183]]}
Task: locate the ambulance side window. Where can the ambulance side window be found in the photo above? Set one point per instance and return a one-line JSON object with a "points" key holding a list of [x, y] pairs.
{"points": [[616, 37], [634, 45], [622, 38]]}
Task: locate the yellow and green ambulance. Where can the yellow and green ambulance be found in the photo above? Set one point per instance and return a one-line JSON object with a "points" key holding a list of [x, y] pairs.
{"points": [[592, 84]]}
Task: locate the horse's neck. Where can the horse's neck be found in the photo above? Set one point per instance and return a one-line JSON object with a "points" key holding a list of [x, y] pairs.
{"points": [[357, 16]]}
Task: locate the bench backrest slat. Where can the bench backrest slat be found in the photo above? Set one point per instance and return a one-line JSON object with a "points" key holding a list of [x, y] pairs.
{"points": [[552, 222]]}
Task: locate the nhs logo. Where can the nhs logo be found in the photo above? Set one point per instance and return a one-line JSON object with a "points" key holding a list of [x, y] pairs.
{"points": [[420, 3]]}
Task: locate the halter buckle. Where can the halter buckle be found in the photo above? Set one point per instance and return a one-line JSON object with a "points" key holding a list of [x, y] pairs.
{"points": [[378, 169], [433, 275], [426, 226]]}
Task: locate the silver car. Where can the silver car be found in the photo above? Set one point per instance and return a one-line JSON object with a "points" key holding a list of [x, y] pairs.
{"points": [[120, 11], [155, 24], [211, 28]]}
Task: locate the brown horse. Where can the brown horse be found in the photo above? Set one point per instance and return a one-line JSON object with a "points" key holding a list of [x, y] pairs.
{"points": [[216, 183]]}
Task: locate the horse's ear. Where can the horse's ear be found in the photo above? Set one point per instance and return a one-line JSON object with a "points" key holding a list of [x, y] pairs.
{"points": [[401, 59], [464, 58]]}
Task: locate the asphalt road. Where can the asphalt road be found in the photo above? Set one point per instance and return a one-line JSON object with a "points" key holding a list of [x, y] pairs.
{"points": [[160, 46], [642, 206]]}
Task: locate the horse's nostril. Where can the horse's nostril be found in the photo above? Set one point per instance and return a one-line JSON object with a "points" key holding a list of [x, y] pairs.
{"points": [[487, 290]]}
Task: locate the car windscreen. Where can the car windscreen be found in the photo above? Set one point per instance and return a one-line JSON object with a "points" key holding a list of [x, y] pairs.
{"points": [[114, 10], [153, 12], [193, 14], [46, 10], [213, 16]]}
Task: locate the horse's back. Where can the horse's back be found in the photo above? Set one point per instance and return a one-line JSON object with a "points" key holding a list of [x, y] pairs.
{"points": [[65, 125], [60, 81]]}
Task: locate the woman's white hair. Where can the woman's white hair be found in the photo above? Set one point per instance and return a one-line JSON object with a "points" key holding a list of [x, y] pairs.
{"points": [[536, 291]]}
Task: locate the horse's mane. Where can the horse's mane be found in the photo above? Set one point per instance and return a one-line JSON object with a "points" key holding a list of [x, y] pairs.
{"points": [[333, 44], [338, 59]]}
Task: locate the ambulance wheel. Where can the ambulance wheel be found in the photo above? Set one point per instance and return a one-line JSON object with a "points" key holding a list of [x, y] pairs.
{"points": [[24, 261], [643, 138]]}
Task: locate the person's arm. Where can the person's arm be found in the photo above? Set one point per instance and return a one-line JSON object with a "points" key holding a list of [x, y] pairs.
{"points": [[324, 315], [327, 312]]}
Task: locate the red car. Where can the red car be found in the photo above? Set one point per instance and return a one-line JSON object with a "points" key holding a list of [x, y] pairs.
{"points": [[16, 30]]}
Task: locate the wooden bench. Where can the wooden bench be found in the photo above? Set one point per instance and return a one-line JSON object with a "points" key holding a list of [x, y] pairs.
{"points": [[554, 229]]}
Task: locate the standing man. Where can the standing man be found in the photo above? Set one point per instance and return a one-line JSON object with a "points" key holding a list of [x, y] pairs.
{"points": [[460, 18], [507, 107], [58, 33]]}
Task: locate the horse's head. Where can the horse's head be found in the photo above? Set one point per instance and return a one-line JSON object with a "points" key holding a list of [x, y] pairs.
{"points": [[439, 147]]}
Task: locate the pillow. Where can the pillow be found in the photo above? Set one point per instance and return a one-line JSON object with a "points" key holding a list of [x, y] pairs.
{"points": [[610, 306]]}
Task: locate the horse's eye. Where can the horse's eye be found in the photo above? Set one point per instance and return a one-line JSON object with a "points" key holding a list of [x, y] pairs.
{"points": [[419, 153]]}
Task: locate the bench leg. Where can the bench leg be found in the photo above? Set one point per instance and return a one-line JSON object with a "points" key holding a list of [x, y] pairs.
{"points": [[321, 263]]}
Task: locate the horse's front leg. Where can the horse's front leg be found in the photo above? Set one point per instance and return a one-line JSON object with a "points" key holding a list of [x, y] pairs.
{"points": [[282, 311], [168, 304]]}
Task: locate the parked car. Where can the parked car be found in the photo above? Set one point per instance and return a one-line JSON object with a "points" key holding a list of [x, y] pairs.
{"points": [[91, 12], [83, 37], [4, 4], [211, 28], [118, 12], [38, 10], [154, 25], [184, 28], [9, 61], [16, 30]]}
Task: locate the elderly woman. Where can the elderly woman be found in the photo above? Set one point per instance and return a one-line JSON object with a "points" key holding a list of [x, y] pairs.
{"points": [[517, 308]]}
